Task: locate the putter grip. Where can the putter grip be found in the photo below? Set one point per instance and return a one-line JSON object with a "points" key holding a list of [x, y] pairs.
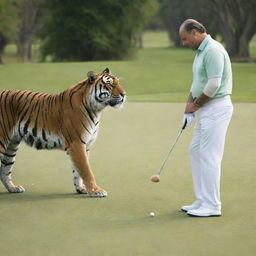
{"points": [[185, 124]]}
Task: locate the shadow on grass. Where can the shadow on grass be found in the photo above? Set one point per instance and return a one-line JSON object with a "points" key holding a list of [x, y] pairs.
{"points": [[14, 197]]}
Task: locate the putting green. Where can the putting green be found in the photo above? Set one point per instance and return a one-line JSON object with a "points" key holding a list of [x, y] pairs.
{"points": [[50, 219]]}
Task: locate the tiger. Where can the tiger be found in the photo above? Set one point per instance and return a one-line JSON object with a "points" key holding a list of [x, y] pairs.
{"points": [[68, 121]]}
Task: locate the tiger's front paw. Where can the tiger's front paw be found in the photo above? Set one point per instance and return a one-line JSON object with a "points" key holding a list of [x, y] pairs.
{"points": [[98, 192], [81, 191], [16, 189]]}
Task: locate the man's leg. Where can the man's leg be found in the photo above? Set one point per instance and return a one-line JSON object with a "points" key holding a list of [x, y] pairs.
{"points": [[212, 140], [194, 150], [212, 149]]}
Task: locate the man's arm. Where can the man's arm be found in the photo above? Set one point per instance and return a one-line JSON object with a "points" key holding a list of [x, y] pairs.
{"points": [[209, 91], [194, 104], [189, 103]]}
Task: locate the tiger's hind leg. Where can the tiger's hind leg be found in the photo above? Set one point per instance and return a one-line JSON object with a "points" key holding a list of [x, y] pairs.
{"points": [[7, 161]]}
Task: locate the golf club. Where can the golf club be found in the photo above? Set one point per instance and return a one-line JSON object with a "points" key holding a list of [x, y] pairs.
{"points": [[156, 178]]}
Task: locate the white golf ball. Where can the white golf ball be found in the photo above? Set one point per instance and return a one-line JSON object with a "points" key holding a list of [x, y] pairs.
{"points": [[152, 214]]}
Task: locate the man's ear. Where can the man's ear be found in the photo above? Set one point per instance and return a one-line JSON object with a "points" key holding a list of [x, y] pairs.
{"points": [[91, 77], [193, 32]]}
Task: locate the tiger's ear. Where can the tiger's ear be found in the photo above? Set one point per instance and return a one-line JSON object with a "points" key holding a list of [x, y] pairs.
{"points": [[106, 70], [91, 77]]}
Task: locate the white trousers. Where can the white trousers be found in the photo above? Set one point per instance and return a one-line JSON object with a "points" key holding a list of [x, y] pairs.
{"points": [[206, 150]]}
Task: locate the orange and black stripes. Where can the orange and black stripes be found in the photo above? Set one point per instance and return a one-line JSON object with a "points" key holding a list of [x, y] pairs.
{"points": [[68, 121], [44, 120]]}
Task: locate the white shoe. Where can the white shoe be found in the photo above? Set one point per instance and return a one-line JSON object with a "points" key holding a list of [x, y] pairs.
{"points": [[193, 206], [204, 212]]}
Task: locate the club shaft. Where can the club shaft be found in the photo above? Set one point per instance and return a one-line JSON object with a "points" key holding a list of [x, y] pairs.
{"points": [[169, 153]]}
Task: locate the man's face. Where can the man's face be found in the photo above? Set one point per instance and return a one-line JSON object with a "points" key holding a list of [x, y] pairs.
{"points": [[189, 39]]}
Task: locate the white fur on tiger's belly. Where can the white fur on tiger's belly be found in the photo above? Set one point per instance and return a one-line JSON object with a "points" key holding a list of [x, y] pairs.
{"points": [[42, 140]]}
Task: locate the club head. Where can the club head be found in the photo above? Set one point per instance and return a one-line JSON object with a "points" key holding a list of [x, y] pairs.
{"points": [[155, 178]]}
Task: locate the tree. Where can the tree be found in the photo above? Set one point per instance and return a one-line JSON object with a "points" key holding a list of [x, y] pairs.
{"points": [[8, 24], [28, 15], [174, 12], [237, 24], [85, 30], [234, 20]]}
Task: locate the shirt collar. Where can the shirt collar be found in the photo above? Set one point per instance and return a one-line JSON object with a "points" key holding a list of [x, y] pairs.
{"points": [[204, 43]]}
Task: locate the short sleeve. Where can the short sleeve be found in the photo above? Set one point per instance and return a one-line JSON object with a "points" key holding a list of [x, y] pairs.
{"points": [[214, 63]]}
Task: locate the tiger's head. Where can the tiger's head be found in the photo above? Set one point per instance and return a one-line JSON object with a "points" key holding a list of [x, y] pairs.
{"points": [[105, 90]]}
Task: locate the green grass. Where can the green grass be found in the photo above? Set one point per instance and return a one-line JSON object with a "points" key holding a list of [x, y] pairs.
{"points": [[156, 75], [50, 219], [155, 39]]}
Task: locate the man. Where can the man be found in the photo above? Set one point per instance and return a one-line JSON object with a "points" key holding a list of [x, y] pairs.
{"points": [[210, 98]]}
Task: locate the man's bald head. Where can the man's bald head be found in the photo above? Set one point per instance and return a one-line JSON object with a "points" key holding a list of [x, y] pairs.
{"points": [[192, 33], [190, 24]]}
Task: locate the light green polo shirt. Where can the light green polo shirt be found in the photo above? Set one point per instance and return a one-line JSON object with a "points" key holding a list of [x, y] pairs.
{"points": [[211, 61]]}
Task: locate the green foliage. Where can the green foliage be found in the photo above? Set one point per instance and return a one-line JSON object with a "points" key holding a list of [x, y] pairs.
{"points": [[8, 24], [8, 20], [87, 31]]}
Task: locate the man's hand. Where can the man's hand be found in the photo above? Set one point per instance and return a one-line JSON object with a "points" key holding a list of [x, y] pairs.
{"points": [[189, 117], [190, 108]]}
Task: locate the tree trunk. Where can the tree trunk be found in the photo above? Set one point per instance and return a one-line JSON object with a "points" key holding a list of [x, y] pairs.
{"points": [[237, 24], [138, 41], [243, 49], [29, 19], [247, 34], [24, 53], [3, 43], [231, 43]]}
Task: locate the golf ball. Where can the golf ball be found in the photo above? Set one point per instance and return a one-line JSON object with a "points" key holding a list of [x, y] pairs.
{"points": [[152, 214]]}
